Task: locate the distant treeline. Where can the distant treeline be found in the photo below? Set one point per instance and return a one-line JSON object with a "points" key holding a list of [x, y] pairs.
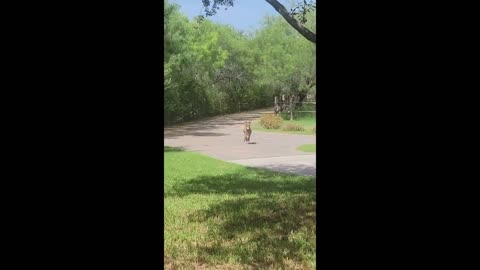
{"points": [[212, 69]]}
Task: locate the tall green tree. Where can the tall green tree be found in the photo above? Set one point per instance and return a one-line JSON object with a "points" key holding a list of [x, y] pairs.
{"points": [[212, 69], [287, 60]]}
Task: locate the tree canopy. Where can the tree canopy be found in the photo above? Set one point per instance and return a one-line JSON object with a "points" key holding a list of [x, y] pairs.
{"points": [[296, 17], [212, 69]]}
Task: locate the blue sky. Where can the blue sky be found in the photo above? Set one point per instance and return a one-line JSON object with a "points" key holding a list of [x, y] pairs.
{"points": [[245, 15]]}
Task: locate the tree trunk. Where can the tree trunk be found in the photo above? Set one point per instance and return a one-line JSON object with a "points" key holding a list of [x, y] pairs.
{"points": [[301, 98]]}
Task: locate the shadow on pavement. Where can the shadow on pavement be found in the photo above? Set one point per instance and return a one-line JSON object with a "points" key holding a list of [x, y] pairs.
{"points": [[298, 169], [294, 168], [204, 127]]}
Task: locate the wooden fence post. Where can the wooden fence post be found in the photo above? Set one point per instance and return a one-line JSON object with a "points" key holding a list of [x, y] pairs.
{"points": [[291, 108], [275, 106]]}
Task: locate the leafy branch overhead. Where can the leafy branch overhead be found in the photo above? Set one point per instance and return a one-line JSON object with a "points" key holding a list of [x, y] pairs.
{"points": [[302, 9], [296, 17]]}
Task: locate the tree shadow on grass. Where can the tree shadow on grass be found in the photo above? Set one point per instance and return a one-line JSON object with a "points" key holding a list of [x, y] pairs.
{"points": [[172, 149], [262, 233], [269, 225], [255, 181]]}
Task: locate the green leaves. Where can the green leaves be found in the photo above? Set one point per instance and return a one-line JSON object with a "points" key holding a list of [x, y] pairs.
{"points": [[287, 59], [212, 69]]}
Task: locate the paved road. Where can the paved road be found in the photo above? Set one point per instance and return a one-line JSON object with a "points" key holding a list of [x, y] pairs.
{"points": [[221, 137]]}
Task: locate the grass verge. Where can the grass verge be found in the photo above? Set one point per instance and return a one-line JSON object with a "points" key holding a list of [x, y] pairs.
{"points": [[226, 216], [307, 148]]}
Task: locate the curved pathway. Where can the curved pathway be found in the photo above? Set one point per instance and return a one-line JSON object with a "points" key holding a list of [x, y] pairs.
{"points": [[221, 137]]}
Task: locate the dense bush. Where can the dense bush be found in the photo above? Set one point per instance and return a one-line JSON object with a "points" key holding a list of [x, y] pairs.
{"points": [[293, 127], [270, 121]]}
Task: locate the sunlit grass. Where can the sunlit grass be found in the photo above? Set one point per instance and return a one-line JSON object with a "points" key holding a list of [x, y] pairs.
{"points": [[307, 148], [226, 216]]}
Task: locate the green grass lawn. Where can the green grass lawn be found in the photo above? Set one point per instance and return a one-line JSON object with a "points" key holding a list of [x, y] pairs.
{"points": [[308, 122], [226, 216], [307, 148]]}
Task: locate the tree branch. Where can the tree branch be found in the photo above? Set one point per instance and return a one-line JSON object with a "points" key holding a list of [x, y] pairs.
{"points": [[294, 23]]}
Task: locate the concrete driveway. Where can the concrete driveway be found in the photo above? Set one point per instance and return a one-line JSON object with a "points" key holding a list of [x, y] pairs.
{"points": [[221, 137]]}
